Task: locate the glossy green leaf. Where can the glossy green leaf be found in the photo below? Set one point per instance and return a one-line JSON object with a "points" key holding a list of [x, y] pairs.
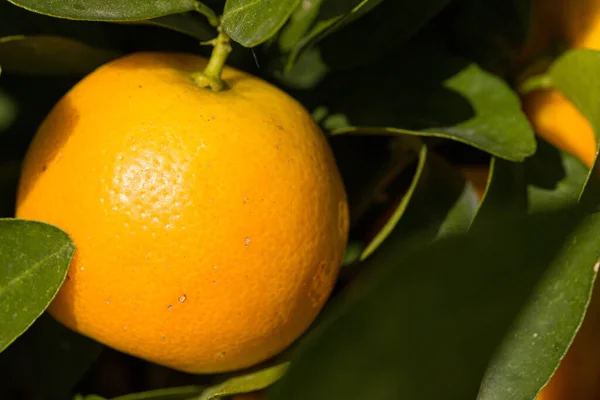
{"points": [[424, 324], [50, 55], [332, 16], [246, 383], [534, 347], [548, 322], [53, 356], [106, 10], [34, 259], [251, 22], [438, 96]]}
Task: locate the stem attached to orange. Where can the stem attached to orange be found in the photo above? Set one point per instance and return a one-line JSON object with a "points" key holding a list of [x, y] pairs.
{"points": [[211, 76]]}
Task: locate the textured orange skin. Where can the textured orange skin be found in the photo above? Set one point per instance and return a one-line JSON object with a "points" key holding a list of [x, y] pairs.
{"points": [[209, 227], [575, 24]]}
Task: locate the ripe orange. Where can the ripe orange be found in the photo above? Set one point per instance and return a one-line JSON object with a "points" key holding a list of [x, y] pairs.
{"points": [[209, 226], [559, 25]]}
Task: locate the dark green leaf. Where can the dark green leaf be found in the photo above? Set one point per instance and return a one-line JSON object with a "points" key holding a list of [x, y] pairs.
{"points": [[438, 96], [299, 23], [506, 192], [106, 10], [379, 32], [8, 110], [425, 324], [186, 23], [555, 178], [49, 354], [34, 259], [490, 33], [246, 383], [50, 55], [399, 209], [332, 16], [251, 22], [547, 324], [306, 73], [443, 203], [176, 393], [534, 346]]}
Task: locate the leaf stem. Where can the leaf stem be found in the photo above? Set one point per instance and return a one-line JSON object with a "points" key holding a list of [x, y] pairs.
{"points": [[211, 76], [205, 10], [536, 82]]}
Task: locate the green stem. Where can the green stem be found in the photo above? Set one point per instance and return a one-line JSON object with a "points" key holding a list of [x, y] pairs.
{"points": [[205, 10], [211, 76], [536, 82]]}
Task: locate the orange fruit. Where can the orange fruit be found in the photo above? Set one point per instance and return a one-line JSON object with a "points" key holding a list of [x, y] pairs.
{"points": [[556, 26], [209, 226]]}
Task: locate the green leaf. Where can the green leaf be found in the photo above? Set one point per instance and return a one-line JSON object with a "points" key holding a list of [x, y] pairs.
{"points": [[186, 23], [391, 223], [332, 16], [106, 10], [490, 33], [8, 111], [380, 32], [549, 180], [424, 324], [437, 96], [547, 324], [555, 178], [307, 73], [246, 383], [506, 192], [50, 55], [175, 393], [299, 23], [251, 22], [443, 203], [34, 259], [53, 356]]}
